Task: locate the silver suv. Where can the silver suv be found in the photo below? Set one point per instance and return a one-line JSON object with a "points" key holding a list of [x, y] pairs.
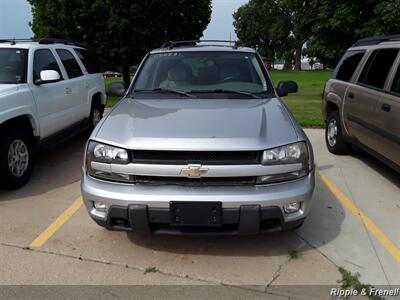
{"points": [[200, 143], [361, 102]]}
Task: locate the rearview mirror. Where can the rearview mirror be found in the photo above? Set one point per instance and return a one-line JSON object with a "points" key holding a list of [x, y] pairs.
{"points": [[48, 76], [116, 89], [286, 87]]}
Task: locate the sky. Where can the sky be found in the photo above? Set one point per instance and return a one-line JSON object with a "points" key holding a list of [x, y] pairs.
{"points": [[221, 24], [15, 16]]}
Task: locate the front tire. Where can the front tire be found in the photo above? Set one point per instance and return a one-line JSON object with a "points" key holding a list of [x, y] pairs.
{"points": [[96, 113], [16, 158], [334, 136]]}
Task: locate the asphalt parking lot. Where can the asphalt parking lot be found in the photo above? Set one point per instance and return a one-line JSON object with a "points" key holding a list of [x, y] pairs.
{"points": [[46, 236]]}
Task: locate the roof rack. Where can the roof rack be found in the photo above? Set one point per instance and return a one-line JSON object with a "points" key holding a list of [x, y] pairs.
{"points": [[42, 41], [14, 41], [375, 40], [49, 41], [175, 44]]}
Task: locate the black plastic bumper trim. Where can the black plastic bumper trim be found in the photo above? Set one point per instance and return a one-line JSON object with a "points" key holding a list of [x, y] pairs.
{"points": [[248, 219]]}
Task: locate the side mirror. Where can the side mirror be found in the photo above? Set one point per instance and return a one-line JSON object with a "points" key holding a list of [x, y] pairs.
{"points": [[48, 76], [117, 89], [286, 87]]}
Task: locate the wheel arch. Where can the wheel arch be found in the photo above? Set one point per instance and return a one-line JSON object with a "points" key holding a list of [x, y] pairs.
{"points": [[97, 97], [25, 121], [330, 107]]}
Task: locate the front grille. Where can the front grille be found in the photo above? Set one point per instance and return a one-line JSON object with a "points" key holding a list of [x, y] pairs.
{"points": [[204, 181], [196, 157]]}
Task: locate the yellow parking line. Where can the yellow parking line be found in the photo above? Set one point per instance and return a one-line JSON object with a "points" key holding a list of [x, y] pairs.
{"points": [[369, 224], [53, 227]]}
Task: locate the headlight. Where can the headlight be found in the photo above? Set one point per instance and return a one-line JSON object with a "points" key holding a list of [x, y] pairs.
{"points": [[296, 153], [289, 154], [106, 155]]}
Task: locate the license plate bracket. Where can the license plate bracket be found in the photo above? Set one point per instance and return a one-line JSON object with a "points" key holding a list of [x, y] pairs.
{"points": [[188, 213]]}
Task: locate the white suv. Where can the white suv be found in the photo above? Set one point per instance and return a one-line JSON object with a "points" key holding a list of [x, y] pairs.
{"points": [[48, 91]]}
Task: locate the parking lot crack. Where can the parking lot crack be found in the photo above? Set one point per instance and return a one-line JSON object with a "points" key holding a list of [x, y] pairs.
{"points": [[316, 249], [182, 276], [276, 275], [82, 258]]}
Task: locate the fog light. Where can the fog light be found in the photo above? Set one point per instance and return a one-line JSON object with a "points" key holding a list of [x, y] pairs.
{"points": [[292, 207], [100, 206]]}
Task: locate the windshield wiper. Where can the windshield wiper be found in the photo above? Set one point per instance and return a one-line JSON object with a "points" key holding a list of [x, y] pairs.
{"points": [[164, 90], [220, 91]]}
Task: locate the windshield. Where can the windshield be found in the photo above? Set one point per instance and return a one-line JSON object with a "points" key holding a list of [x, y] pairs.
{"points": [[201, 72], [13, 64]]}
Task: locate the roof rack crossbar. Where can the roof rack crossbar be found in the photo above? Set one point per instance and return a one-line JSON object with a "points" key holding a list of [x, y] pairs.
{"points": [[173, 44], [42, 41], [49, 41], [375, 40], [14, 41]]}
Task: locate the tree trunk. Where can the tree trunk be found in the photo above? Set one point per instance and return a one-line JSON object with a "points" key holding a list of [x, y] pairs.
{"points": [[297, 58], [125, 74]]}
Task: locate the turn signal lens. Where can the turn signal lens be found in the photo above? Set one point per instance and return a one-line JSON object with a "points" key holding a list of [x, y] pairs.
{"points": [[280, 177]]}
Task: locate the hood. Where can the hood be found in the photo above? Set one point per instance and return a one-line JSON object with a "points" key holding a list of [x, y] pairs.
{"points": [[198, 124], [7, 88]]}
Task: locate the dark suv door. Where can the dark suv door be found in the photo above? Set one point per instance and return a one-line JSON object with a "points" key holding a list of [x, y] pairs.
{"points": [[361, 106], [389, 119]]}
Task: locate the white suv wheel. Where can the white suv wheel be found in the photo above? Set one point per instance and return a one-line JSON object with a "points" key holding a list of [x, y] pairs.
{"points": [[96, 116], [18, 158]]}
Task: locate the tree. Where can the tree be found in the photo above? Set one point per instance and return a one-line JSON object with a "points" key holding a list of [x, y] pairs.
{"points": [[120, 32], [341, 23], [277, 26], [258, 24], [311, 62], [301, 14]]}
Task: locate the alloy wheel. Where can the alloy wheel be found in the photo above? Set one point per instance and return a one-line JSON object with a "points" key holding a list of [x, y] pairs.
{"points": [[18, 158]]}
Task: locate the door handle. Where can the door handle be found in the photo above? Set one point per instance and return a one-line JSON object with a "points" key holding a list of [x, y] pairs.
{"points": [[386, 107], [68, 91], [351, 95], [86, 84]]}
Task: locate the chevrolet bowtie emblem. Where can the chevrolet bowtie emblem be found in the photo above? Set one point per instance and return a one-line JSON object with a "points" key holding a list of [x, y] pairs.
{"points": [[194, 171]]}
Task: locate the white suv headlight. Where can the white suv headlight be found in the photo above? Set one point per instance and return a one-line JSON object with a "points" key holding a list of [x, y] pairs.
{"points": [[296, 153], [106, 154]]}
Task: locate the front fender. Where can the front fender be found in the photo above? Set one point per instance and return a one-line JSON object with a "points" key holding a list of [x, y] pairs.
{"points": [[17, 104], [96, 86]]}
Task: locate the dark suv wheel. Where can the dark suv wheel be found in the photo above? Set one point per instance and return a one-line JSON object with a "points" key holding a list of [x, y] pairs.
{"points": [[16, 158], [333, 135]]}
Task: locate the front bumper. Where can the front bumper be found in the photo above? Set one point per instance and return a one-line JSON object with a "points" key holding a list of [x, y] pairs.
{"points": [[245, 209]]}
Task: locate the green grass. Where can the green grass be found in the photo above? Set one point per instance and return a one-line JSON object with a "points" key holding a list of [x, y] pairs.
{"points": [[150, 270], [294, 254], [305, 105], [350, 280]]}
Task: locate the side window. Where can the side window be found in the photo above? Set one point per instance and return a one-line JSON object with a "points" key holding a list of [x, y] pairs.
{"points": [[377, 67], [44, 60], [87, 61], [70, 64], [396, 82], [347, 65]]}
